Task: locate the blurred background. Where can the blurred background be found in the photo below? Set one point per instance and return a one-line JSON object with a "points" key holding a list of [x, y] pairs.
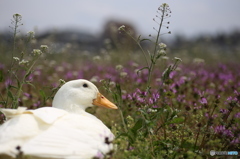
{"points": [[89, 24]]}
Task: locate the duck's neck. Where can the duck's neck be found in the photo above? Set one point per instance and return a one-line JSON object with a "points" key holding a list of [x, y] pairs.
{"points": [[70, 107]]}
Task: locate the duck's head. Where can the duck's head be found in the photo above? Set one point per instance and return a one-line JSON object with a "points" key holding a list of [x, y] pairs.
{"points": [[80, 94]]}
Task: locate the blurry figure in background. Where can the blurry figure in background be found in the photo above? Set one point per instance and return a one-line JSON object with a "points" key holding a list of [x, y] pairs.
{"points": [[112, 38]]}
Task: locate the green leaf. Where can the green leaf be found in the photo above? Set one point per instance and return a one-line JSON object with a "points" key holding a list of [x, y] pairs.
{"points": [[129, 135], [28, 73], [145, 40], [143, 112], [121, 134], [119, 91], [42, 93], [176, 120], [173, 114], [138, 125], [3, 102], [18, 83], [167, 72], [29, 83], [10, 95], [139, 38], [142, 69], [187, 144], [11, 86], [168, 110], [115, 98]]}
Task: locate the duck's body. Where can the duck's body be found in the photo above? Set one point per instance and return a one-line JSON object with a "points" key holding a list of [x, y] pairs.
{"points": [[68, 132]]}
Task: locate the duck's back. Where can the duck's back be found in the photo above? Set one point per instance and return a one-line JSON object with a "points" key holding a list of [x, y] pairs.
{"points": [[54, 133]]}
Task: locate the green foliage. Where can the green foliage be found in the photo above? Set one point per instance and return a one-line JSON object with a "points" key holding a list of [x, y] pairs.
{"points": [[21, 67]]}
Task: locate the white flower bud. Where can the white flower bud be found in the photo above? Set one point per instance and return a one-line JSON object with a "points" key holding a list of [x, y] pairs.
{"points": [[23, 62], [162, 52], [36, 52], [62, 81], [96, 58], [121, 27], [119, 67], [44, 48], [162, 46], [31, 34], [16, 59], [178, 59], [123, 74]]}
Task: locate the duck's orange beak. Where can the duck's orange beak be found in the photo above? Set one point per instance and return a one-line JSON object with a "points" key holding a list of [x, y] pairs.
{"points": [[103, 102]]}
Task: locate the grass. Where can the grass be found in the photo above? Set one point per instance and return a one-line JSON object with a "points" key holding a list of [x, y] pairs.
{"points": [[167, 108]]}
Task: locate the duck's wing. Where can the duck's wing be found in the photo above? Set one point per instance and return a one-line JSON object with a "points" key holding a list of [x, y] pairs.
{"points": [[72, 136], [46, 114], [10, 113], [22, 125]]}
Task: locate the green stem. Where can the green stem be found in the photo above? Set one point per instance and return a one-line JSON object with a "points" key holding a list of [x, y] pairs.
{"points": [[153, 59], [15, 103], [120, 110], [14, 38], [208, 124], [16, 20], [122, 118], [195, 144], [10, 71]]}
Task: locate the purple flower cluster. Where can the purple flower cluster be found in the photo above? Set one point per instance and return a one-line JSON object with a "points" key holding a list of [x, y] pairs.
{"points": [[198, 91], [232, 133], [221, 130], [142, 98]]}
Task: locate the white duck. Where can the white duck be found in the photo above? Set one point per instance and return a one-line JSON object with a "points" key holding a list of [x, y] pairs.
{"points": [[62, 131]]}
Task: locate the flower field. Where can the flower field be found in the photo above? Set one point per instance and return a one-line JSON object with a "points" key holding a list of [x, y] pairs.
{"points": [[195, 111], [184, 110]]}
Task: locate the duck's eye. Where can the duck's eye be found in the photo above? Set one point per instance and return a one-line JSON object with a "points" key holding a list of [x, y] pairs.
{"points": [[85, 85]]}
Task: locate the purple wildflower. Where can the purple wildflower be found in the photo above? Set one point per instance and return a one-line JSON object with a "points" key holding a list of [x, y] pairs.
{"points": [[231, 99], [69, 75], [99, 155], [236, 92], [29, 96], [130, 148], [150, 101], [237, 95], [2, 66], [37, 104], [172, 74], [181, 98], [30, 78], [8, 82], [129, 97], [235, 141], [221, 130], [206, 115], [203, 100], [237, 115], [224, 111], [201, 94]]}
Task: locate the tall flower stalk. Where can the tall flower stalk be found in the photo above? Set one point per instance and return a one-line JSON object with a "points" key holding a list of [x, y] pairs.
{"points": [[21, 62], [16, 22], [159, 48]]}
